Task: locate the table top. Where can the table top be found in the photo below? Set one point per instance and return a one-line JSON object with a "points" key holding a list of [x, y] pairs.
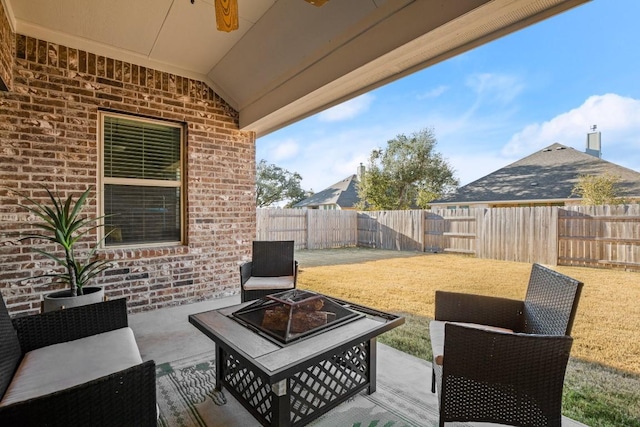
{"points": [[272, 358]]}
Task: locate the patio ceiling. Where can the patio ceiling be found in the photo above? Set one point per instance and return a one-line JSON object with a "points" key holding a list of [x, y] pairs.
{"points": [[289, 59]]}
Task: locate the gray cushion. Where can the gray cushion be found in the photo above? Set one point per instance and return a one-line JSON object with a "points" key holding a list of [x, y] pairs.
{"points": [[60, 366], [263, 283]]}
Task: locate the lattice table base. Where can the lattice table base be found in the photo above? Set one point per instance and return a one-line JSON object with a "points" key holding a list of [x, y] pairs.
{"points": [[309, 391]]}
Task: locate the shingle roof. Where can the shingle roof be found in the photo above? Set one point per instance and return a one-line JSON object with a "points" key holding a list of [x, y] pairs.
{"points": [[342, 193], [548, 174]]}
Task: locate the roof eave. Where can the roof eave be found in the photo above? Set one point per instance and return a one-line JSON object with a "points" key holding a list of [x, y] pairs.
{"points": [[496, 202]]}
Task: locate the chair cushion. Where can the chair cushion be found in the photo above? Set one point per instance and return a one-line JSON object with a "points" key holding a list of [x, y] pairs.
{"points": [[60, 366], [261, 283], [436, 333]]}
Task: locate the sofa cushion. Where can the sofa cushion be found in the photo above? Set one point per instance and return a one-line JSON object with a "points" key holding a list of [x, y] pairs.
{"points": [[260, 283], [436, 333], [60, 366]]}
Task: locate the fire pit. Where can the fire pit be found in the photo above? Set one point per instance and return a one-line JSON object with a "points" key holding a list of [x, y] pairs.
{"points": [[291, 357], [288, 316]]}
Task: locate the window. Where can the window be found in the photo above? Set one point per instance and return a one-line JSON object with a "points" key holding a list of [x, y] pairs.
{"points": [[142, 180]]}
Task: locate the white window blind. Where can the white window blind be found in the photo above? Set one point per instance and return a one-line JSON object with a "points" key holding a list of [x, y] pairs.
{"points": [[142, 180]]}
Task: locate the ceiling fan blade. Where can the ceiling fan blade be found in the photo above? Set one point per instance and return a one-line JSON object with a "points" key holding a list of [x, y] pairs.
{"points": [[317, 2], [226, 15]]}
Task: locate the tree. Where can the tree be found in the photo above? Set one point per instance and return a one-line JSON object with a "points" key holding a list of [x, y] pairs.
{"points": [[598, 189], [275, 184], [408, 173]]}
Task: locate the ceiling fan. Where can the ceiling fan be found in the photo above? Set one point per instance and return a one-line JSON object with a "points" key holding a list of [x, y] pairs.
{"points": [[227, 13]]}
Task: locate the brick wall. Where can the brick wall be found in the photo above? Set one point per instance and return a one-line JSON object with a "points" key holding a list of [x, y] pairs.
{"points": [[6, 50], [48, 125]]}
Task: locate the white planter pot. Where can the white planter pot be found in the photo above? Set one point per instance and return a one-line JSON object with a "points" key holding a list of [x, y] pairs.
{"points": [[63, 299]]}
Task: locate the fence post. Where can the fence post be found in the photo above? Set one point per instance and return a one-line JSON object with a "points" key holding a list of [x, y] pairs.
{"points": [[422, 229], [308, 243], [555, 234]]}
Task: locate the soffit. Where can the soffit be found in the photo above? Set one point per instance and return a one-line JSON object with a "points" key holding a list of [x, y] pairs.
{"points": [[288, 59]]}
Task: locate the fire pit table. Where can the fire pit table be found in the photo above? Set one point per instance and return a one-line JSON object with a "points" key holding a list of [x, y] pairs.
{"points": [[292, 356]]}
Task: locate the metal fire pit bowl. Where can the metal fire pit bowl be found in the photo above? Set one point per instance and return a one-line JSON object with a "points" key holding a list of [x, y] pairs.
{"points": [[288, 316]]}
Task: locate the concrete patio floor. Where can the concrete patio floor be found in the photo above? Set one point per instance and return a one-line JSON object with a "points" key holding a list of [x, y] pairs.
{"points": [[165, 335]]}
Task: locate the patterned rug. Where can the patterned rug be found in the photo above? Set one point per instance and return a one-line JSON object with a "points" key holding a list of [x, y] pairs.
{"points": [[187, 398]]}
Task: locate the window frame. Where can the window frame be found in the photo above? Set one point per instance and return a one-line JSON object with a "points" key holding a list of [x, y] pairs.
{"points": [[102, 180]]}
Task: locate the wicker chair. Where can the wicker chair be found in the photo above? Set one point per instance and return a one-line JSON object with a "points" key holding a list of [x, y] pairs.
{"points": [[272, 269], [503, 361], [123, 398]]}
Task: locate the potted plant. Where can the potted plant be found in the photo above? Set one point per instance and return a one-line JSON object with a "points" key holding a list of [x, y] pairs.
{"points": [[63, 225]]}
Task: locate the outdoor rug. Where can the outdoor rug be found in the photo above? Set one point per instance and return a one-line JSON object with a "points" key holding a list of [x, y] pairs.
{"points": [[187, 398]]}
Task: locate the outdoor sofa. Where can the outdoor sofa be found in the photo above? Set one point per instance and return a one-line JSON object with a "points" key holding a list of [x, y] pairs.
{"points": [[75, 367], [503, 361]]}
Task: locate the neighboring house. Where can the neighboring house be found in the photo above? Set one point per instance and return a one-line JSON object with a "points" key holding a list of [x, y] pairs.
{"points": [[341, 195], [159, 113], [544, 178]]}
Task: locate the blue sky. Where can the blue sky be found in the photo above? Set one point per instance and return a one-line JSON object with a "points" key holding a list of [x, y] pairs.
{"points": [[492, 105]]}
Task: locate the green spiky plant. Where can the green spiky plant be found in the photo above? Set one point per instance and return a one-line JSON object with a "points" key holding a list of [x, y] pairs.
{"points": [[63, 225]]}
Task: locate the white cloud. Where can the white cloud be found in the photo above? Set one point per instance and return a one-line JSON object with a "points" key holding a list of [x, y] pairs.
{"points": [[285, 150], [433, 93], [329, 158], [503, 88], [347, 110], [617, 117]]}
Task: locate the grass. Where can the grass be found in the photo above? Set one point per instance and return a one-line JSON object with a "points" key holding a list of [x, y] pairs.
{"points": [[411, 338], [602, 385], [600, 396]]}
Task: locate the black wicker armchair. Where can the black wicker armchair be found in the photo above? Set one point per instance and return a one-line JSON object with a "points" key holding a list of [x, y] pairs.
{"points": [[272, 269], [126, 397], [503, 361]]}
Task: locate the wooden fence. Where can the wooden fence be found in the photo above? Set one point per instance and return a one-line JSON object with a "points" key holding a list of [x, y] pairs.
{"points": [[310, 229], [526, 234], [599, 235], [579, 235], [399, 230]]}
